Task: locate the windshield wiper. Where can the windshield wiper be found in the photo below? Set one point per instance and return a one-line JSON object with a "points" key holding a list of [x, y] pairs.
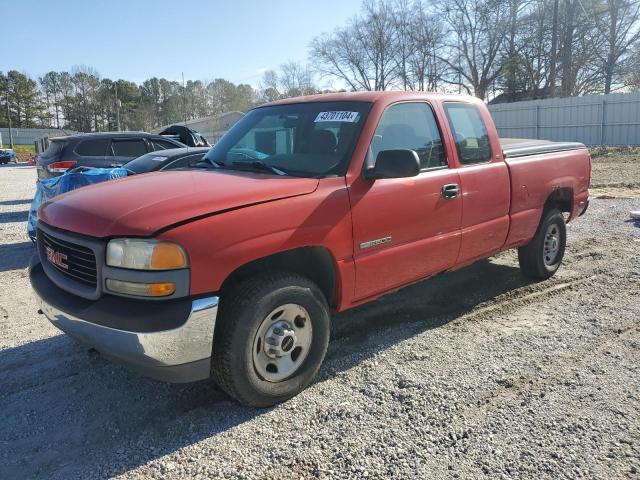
{"points": [[259, 165]]}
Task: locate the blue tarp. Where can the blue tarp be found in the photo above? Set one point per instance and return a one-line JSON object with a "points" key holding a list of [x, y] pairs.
{"points": [[52, 187]]}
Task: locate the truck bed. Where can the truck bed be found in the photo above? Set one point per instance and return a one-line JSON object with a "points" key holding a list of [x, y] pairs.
{"points": [[524, 147], [539, 169]]}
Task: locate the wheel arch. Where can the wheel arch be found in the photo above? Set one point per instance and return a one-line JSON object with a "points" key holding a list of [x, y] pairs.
{"points": [[313, 262], [560, 198]]}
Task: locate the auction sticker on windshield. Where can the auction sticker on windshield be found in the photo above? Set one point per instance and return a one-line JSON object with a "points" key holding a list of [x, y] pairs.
{"points": [[337, 117]]}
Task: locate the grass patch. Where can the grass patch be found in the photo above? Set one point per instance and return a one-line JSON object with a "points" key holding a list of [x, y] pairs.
{"points": [[23, 152], [605, 151]]}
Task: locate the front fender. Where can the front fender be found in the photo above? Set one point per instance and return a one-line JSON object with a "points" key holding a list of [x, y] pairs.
{"points": [[220, 244]]}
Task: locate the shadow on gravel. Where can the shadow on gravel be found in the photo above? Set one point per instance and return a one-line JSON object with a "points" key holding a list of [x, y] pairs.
{"points": [[14, 217], [421, 307], [15, 202], [69, 413], [15, 256]]}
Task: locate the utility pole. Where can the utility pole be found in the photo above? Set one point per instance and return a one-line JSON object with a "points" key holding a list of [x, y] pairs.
{"points": [[9, 119], [117, 107]]}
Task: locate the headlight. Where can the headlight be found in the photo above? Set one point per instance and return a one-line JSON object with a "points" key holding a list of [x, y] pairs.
{"points": [[140, 254]]}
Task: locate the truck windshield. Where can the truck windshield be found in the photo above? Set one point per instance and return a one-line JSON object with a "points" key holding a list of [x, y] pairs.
{"points": [[302, 139]]}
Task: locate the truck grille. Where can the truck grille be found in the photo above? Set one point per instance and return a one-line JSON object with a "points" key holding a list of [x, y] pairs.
{"points": [[71, 260]]}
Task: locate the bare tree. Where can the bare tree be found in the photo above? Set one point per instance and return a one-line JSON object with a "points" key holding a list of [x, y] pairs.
{"points": [[477, 31], [364, 54], [292, 80], [578, 46], [533, 62], [269, 86], [378, 29], [632, 75], [296, 79], [402, 24], [511, 60], [553, 59], [617, 25], [336, 55], [425, 69]]}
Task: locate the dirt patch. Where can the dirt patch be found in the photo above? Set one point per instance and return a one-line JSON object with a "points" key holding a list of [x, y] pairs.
{"points": [[614, 192], [616, 168], [615, 173]]}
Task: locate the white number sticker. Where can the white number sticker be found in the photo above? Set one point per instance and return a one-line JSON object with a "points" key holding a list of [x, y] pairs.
{"points": [[337, 117]]}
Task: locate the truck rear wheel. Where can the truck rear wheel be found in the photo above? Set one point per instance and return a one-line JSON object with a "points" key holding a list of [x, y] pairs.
{"points": [[542, 256], [271, 338]]}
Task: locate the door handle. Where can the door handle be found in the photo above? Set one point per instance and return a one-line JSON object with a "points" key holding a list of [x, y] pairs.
{"points": [[451, 190]]}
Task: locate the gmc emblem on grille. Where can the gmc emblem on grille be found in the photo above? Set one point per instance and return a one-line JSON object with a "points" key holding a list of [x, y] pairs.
{"points": [[56, 258]]}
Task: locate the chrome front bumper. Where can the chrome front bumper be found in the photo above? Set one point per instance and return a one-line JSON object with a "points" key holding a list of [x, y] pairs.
{"points": [[179, 355]]}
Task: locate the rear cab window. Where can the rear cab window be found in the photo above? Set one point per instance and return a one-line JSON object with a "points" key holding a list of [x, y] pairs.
{"points": [[412, 126], [469, 132]]}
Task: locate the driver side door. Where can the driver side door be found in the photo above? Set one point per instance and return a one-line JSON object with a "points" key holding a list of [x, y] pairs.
{"points": [[405, 229]]}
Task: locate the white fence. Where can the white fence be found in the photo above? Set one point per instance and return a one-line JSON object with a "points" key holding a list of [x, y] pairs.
{"points": [[612, 119]]}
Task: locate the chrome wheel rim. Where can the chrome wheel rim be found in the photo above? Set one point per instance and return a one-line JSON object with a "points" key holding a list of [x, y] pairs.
{"points": [[282, 342], [551, 245]]}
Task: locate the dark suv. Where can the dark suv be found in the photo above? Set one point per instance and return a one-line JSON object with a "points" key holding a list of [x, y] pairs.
{"points": [[98, 150]]}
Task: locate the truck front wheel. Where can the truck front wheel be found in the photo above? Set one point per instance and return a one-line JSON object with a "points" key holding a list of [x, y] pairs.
{"points": [[542, 256], [271, 338]]}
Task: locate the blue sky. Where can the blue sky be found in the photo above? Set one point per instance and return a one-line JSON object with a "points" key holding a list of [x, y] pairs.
{"points": [[135, 39]]}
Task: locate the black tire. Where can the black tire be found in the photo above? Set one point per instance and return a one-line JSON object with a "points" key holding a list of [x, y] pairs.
{"points": [[242, 311], [532, 256]]}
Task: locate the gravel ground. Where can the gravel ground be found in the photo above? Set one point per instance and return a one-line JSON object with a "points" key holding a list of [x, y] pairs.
{"points": [[477, 373]]}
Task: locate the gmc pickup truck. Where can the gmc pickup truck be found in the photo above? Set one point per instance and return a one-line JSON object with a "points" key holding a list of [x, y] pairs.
{"points": [[307, 206]]}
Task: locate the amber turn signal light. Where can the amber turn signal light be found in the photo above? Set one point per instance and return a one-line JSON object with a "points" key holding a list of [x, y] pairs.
{"points": [[166, 256], [141, 289]]}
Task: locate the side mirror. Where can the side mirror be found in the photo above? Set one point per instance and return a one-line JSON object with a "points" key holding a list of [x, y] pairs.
{"points": [[394, 164]]}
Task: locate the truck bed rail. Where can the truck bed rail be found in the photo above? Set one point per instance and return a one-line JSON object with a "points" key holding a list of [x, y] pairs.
{"points": [[521, 147]]}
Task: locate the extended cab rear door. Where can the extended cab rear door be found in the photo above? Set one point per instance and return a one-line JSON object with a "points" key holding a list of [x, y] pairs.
{"points": [[406, 228], [484, 180]]}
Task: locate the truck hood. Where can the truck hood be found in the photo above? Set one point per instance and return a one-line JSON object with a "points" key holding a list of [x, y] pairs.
{"points": [[142, 205]]}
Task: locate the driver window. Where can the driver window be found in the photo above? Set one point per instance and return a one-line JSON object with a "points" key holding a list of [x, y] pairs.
{"points": [[410, 126]]}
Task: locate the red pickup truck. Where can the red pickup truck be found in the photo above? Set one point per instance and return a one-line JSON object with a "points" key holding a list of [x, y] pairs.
{"points": [[307, 206]]}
